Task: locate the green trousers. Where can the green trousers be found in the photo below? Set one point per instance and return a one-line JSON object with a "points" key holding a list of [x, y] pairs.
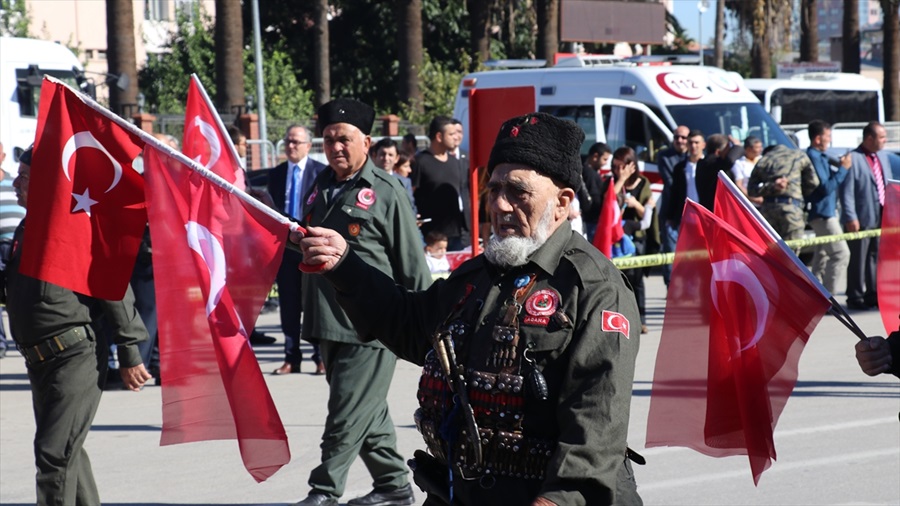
{"points": [[65, 393], [358, 421]]}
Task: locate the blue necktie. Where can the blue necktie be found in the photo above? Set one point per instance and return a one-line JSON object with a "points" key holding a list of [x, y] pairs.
{"points": [[294, 196]]}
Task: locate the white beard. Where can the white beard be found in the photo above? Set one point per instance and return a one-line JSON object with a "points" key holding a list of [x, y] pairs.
{"points": [[514, 251]]}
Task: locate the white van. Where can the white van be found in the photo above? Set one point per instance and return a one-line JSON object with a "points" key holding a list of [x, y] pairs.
{"points": [[837, 98], [23, 63], [636, 106]]}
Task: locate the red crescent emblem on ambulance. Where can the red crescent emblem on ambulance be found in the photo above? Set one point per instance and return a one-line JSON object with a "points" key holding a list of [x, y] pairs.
{"points": [[615, 322], [542, 303], [680, 85]]}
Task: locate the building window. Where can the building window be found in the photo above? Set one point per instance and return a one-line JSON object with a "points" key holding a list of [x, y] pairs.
{"points": [[156, 10]]}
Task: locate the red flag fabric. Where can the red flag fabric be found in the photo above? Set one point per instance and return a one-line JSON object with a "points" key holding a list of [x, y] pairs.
{"points": [[216, 258], [87, 214], [736, 322], [888, 271], [609, 226], [737, 211], [205, 140]]}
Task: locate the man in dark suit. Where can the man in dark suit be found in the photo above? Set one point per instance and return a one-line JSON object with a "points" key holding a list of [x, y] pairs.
{"points": [[862, 201], [666, 161], [289, 184]]}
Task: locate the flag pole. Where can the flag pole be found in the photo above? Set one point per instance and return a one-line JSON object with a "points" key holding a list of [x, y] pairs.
{"points": [[836, 309], [219, 122], [193, 165]]}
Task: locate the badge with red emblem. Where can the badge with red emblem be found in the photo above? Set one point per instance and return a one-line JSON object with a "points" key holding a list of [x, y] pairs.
{"points": [[312, 196], [353, 229], [539, 306], [615, 322], [365, 198]]}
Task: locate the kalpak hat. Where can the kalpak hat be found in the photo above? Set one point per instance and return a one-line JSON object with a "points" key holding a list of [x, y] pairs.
{"points": [[346, 110], [549, 145]]}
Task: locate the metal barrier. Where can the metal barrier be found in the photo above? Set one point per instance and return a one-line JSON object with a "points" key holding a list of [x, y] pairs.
{"points": [[667, 258], [272, 155]]}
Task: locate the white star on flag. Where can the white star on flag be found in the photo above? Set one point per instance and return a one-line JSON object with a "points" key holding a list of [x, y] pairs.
{"points": [[83, 202]]}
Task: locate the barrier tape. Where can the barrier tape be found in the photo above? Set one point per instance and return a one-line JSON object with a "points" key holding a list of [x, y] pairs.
{"points": [[667, 258]]}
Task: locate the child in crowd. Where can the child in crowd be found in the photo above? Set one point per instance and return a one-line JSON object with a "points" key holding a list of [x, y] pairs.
{"points": [[436, 252]]}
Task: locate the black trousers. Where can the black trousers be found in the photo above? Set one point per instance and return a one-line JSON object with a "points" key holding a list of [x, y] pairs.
{"points": [[861, 272]]}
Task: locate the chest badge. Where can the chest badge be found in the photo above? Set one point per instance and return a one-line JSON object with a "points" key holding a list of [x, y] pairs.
{"points": [[353, 229], [539, 306], [365, 198], [312, 196]]}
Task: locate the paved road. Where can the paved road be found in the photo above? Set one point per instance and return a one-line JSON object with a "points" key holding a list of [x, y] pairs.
{"points": [[838, 440]]}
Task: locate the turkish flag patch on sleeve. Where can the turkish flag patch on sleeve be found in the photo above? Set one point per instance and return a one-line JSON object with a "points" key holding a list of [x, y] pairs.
{"points": [[615, 322]]}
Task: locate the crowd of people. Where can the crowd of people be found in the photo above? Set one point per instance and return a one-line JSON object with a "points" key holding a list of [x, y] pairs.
{"points": [[523, 348]]}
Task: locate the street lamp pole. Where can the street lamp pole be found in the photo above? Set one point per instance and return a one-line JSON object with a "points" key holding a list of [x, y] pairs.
{"points": [[702, 5]]}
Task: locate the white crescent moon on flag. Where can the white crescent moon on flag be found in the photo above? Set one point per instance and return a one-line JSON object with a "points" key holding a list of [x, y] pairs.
{"points": [[202, 241], [86, 140], [735, 271], [208, 133]]}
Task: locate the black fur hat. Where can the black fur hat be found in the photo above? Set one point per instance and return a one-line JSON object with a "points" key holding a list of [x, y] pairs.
{"points": [[549, 145], [346, 110]]}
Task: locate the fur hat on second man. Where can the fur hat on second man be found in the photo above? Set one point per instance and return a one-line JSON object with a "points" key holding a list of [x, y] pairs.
{"points": [[547, 144], [346, 110]]}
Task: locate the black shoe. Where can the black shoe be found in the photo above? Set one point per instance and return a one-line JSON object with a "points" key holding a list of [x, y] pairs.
{"points": [[257, 337], [857, 305], [397, 497], [318, 500]]}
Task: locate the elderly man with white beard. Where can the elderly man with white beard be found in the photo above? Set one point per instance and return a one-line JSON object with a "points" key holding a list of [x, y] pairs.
{"points": [[528, 351]]}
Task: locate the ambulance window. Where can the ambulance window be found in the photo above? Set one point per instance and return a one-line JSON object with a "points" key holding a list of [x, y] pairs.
{"points": [[582, 115], [631, 127], [29, 95]]}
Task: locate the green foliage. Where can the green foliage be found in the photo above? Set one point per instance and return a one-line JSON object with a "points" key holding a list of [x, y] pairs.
{"points": [[191, 49], [439, 85], [14, 18]]}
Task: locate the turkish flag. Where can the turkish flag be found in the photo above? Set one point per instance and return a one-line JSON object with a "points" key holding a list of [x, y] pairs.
{"points": [[215, 257], [731, 205], [888, 271], [86, 211], [609, 226], [205, 140], [735, 325]]}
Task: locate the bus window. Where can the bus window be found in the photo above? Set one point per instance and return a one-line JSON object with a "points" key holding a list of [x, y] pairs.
{"points": [[799, 107]]}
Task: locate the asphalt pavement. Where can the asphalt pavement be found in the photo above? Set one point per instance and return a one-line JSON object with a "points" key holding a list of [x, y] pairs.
{"points": [[838, 440]]}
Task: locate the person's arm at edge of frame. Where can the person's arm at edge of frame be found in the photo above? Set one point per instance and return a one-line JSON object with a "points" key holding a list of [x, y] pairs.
{"points": [[877, 355], [594, 427], [127, 330]]}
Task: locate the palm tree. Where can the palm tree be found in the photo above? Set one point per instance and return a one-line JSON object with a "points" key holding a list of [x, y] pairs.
{"points": [[720, 34], [762, 18], [410, 52], [547, 29], [479, 27], [229, 55], [850, 42], [120, 54], [322, 83], [809, 31], [891, 28]]}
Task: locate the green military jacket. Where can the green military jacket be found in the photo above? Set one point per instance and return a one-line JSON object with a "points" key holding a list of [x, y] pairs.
{"points": [[374, 215], [588, 364], [782, 161], [39, 310]]}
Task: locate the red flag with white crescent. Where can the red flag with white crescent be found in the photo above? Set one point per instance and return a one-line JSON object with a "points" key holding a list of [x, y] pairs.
{"points": [[219, 257], [736, 323], [888, 271], [205, 140], [609, 226], [86, 211]]}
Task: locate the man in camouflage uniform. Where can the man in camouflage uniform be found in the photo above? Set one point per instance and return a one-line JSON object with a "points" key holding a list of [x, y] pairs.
{"points": [[783, 177], [528, 350]]}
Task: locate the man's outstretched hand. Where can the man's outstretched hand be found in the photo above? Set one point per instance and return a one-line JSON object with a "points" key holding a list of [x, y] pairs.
{"points": [[322, 248]]}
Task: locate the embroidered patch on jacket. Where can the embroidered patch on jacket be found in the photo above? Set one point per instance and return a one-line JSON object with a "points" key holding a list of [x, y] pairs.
{"points": [[615, 322], [353, 229], [365, 198], [542, 303]]}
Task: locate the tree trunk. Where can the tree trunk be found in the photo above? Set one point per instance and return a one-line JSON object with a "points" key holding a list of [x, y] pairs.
{"points": [[547, 29], [891, 59], [760, 51], [229, 36], [120, 54], [479, 28], [809, 31], [410, 52], [720, 34], [322, 83], [850, 42]]}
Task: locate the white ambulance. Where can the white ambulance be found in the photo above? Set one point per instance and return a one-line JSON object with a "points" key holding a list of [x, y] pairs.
{"points": [[626, 104], [23, 63]]}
